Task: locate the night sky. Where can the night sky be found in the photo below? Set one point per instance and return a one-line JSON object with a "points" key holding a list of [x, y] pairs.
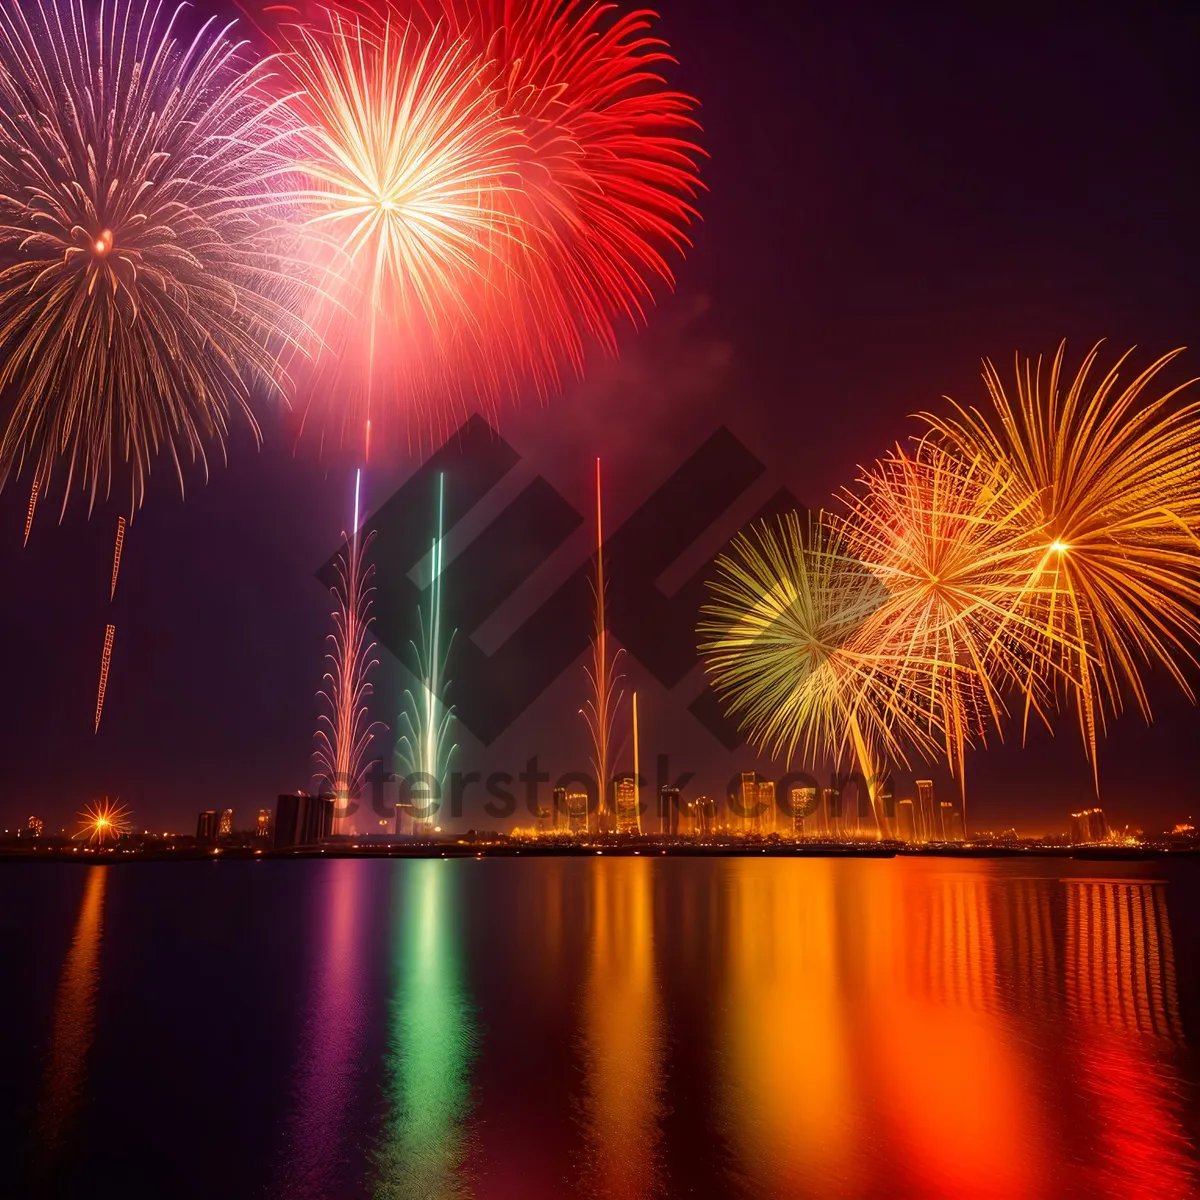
{"points": [[891, 197]]}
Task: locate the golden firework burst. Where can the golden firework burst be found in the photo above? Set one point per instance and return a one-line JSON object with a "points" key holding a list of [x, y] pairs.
{"points": [[1107, 485]]}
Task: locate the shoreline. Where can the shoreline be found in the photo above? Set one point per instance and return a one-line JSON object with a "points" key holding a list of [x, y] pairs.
{"points": [[592, 850]]}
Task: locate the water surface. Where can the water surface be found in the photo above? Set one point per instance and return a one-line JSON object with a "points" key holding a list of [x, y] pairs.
{"points": [[608, 1027]]}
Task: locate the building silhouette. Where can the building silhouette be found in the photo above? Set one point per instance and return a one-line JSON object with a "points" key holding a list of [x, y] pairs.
{"points": [[766, 806], [951, 822], [885, 807], [748, 803], [906, 821], [302, 820], [1090, 825], [802, 805], [225, 825], [831, 812], [704, 815], [928, 817], [669, 810], [262, 827], [627, 805], [577, 812], [558, 809], [206, 826]]}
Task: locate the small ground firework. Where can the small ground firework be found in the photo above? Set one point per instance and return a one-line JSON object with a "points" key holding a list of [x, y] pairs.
{"points": [[103, 822]]}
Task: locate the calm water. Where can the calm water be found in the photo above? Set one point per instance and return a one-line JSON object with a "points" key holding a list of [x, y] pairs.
{"points": [[609, 1027]]}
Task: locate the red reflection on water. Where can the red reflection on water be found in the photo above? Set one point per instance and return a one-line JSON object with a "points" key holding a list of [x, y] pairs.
{"points": [[1125, 1018], [955, 1091]]}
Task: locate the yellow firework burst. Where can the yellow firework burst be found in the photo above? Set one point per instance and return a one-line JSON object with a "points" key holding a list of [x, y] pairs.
{"points": [[782, 640], [1107, 484]]}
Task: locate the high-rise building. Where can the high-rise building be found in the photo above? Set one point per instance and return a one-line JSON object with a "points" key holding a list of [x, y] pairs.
{"points": [[558, 809], [951, 822], [302, 820], [206, 826], [766, 806], [830, 805], [577, 812], [928, 816], [802, 805], [906, 821], [627, 805], [34, 826], [668, 803], [885, 806], [748, 821], [1090, 825], [704, 816], [262, 828], [225, 825]]}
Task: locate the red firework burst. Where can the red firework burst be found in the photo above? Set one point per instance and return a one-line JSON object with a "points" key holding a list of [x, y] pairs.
{"points": [[489, 187]]}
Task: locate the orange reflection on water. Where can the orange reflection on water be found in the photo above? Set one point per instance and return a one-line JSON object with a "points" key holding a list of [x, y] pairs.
{"points": [[790, 1103], [622, 1033], [74, 1017]]}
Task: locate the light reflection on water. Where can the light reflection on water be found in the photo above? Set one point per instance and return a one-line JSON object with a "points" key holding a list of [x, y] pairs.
{"points": [[639, 1027], [426, 1134]]}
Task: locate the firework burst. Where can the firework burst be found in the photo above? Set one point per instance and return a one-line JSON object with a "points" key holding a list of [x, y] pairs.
{"points": [[781, 638], [141, 297], [103, 821], [1107, 486], [608, 170], [942, 536], [489, 186], [405, 159]]}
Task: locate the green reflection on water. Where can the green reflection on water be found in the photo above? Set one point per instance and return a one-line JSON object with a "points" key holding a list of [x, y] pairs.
{"points": [[431, 1042]]}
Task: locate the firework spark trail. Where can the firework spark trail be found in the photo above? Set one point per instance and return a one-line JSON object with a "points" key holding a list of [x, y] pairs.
{"points": [[1107, 486], [600, 711], [117, 556], [424, 747], [103, 820], [33, 495], [142, 294], [105, 659], [344, 733]]}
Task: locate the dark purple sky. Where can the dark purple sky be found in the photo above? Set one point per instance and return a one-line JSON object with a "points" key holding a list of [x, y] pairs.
{"points": [[892, 196]]}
